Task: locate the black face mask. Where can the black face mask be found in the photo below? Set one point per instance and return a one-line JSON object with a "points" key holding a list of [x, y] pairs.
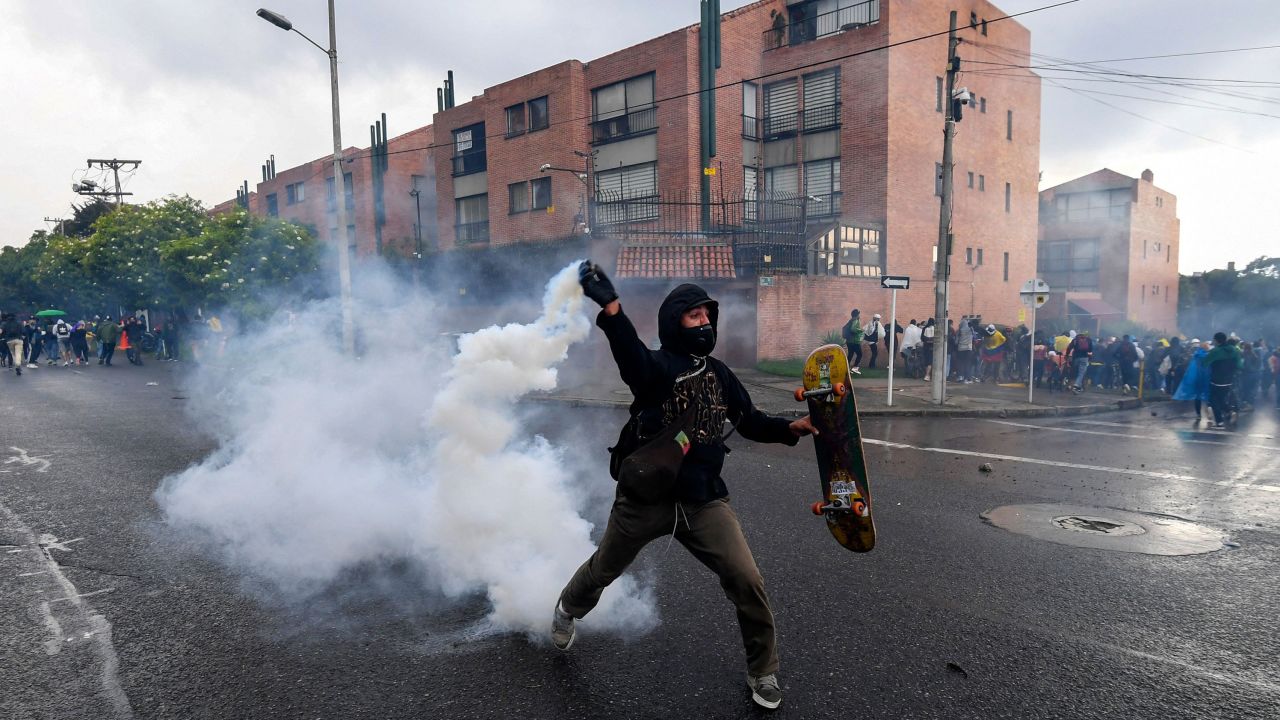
{"points": [[699, 340]]}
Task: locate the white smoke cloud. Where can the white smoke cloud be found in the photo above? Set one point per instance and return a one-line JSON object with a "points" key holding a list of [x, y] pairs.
{"points": [[413, 453]]}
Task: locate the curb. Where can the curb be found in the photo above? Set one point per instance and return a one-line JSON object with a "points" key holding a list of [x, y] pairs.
{"points": [[1050, 411]]}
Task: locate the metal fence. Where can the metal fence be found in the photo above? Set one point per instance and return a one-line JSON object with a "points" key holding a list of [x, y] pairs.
{"points": [[804, 28], [766, 231]]}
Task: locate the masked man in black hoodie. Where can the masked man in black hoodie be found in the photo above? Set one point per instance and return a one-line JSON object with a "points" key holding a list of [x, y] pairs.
{"points": [[666, 383]]}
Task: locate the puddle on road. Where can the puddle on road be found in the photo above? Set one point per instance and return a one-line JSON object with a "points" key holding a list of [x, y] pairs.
{"points": [[1107, 529]]}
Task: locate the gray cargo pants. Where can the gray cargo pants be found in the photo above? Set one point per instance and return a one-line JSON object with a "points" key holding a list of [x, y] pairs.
{"points": [[711, 532]]}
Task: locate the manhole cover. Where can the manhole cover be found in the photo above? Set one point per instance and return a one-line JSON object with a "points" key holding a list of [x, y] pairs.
{"points": [[1095, 524], [1107, 529]]}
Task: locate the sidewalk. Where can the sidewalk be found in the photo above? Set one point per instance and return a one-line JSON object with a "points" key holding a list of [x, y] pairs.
{"points": [[773, 394]]}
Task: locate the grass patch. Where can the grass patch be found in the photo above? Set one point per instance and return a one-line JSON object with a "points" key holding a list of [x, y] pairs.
{"points": [[794, 368]]}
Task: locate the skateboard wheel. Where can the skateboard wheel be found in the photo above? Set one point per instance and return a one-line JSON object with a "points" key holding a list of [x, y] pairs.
{"points": [[839, 389], [800, 394], [817, 507], [859, 507]]}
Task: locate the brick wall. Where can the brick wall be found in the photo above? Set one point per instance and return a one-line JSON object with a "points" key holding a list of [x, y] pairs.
{"points": [[1153, 258], [795, 312]]}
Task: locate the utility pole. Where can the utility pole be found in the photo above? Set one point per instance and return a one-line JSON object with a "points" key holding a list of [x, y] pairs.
{"points": [[943, 273], [90, 189]]}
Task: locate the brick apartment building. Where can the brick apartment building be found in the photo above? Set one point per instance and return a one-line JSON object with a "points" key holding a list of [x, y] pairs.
{"points": [[1109, 250], [826, 173]]}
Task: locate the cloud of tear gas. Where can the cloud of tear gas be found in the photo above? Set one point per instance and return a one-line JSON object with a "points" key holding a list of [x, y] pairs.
{"points": [[415, 453]]}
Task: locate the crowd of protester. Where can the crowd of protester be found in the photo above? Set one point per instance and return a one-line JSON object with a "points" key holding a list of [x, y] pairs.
{"points": [[33, 342], [1224, 376]]}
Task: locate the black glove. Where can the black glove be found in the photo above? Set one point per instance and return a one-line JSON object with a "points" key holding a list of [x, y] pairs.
{"points": [[595, 284]]}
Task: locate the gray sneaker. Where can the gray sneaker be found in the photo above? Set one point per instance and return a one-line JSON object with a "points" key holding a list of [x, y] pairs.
{"points": [[562, 629], [765, 691]]}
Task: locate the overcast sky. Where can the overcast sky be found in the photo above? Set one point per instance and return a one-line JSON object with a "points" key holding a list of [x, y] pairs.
{"points": [[203, 92]]}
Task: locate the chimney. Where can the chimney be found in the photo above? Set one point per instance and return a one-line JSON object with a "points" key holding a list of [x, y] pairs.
{"points": [[1231, 266], [1148, 176]]}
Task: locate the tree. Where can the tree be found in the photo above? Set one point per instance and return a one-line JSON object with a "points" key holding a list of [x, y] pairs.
{"points": [[123, 253], [1240, 301]]}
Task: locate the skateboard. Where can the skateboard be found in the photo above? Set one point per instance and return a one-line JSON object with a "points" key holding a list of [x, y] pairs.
{"points": [[842, 467]]}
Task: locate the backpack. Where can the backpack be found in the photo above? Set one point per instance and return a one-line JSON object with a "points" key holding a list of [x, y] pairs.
{"points": [[1083, 344], [62, 330]]}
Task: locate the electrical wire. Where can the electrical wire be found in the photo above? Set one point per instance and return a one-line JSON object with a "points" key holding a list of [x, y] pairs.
{"points": [[733, 84]]}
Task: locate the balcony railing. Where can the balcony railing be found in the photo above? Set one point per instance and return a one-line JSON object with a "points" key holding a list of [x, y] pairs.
{"points": [[750, 127], [610, 211], [805, 29], [624, 126], [812, 119], [472, 232], [471, 161], [823, 205]]}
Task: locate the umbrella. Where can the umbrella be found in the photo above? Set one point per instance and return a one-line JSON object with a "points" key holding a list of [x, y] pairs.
{"points": [[50, 313]]}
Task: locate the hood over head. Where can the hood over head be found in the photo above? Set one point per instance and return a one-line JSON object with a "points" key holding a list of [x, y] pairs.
{"points": [[679, 300]]}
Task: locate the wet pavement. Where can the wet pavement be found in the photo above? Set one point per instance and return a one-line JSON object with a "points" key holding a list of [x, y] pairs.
{"points": [[949, 617]]}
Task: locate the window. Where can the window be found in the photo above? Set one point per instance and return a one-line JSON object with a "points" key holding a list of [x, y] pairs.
{"points": [[822, 181], [1008, 197], [750, 187], [750, 116], [517, 198], [273, 205], [970, 178], [982, 183], [813, 19], [984, 26], [468, 150], [1096, 205], [822, 99], [782, 180], [348, 189], [1006, 267], [541, 193], [1168, 253], [1071, 265], [849, 251], [979, 257], [982, 105], [968, 256], [539, 117], [1144, 294], [1008, 125], [1166, 293], [627, 194], [516, 120], [781, 108], [937, 179], [939, 94], [295, 193], [623, 109], [471, 219]]}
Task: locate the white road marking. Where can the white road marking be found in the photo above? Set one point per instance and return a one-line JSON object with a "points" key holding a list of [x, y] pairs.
{"points": [[81, 613], [38, 572], [1079, 466], [82, 595], [53, 645], [51, 542], [23, 459], [1167, 438]]}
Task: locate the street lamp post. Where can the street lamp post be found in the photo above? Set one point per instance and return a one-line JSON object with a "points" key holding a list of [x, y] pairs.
{"points": [[583, 176], [339, 182], [417, 233]]}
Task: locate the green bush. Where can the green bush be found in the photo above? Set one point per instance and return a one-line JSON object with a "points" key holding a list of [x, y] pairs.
{"points": [[833, 337]]}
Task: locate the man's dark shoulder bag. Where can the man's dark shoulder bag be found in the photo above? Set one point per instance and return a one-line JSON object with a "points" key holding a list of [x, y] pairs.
{"points": [[646, 468]]}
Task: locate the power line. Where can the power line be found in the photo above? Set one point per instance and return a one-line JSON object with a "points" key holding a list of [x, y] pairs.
{"points": [[1143, 57], [757, 78]]}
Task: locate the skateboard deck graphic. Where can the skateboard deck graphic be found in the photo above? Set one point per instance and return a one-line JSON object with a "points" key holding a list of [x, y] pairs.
{"points": [[842, 467]]}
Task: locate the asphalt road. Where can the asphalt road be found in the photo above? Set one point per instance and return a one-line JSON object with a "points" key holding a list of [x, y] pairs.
{"points": [[104, 613]]}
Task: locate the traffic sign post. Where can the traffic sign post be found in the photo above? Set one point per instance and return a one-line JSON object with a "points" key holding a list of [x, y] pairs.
{"points": [[893, 283], [1035, 293]]}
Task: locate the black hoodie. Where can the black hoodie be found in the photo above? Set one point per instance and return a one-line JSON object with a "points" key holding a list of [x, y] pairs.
{"points": [[665, 381]]}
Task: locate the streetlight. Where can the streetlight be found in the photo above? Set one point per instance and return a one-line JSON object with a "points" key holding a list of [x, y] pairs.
{"points": [[586, 184], [417, 231], [339, 182]]}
